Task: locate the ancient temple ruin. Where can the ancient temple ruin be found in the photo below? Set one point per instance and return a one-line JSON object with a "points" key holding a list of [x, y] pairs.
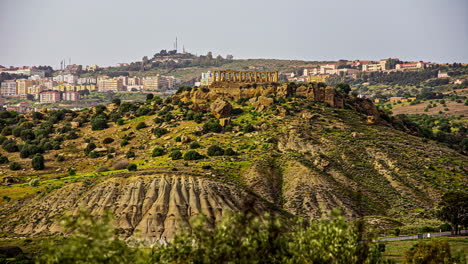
{"points": [[240, 77]]}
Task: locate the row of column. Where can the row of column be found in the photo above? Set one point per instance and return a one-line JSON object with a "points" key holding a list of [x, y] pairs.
{"points": [[245, 76]]}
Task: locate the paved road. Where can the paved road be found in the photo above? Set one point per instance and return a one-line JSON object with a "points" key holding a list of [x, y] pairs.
{"points": [[427, 235]]}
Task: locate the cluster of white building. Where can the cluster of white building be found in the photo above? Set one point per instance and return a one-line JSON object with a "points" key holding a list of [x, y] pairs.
{"points": [[66, 87]]}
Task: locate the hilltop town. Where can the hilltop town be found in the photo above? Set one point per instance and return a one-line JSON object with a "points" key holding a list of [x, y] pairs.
{"points": [[29, 88]]}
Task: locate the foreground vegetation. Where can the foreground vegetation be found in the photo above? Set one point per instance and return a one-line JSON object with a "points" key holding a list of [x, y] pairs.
{"points": [[241, 238]]}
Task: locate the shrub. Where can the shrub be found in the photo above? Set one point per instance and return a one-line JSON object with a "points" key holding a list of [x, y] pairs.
{"points": [[15, 166], [130, 154], [212, 126], [158, 120], [90, 147], [141, 125], [91, 240], [198, 117], [72, 171], [159, 131], [123, 143], [3, 159], [434, 251], [194, 145], [240, 238], [6, 198], [72, 135], [132, 167], [10, 146], [60, 158], [93, 154], [34, 182], [120, 122], [193, 155], [175, 155], [230, 152], [38, 162], [108, 140], [99, 123], [215, 150], [157, 151], [178, 139], [121, 164]]}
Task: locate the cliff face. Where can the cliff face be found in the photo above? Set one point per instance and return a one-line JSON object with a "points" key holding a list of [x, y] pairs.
{"points": [[150, 208]]}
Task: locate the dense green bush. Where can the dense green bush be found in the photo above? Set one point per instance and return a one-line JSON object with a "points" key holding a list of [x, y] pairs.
{"points": [[132, 167], [212, 126], [99, 123], [159, 131], [15, 166], [158, 120], [194, 145], [37, 162], [215, 150], [93, 154], [3, 159], [130, 154], [240, 238], [198, 117], [193, 155], [175, 155], [140, 125], [10, 145], [230, 152], [92, 240], [90, 147], [108, 140], [434, 251], [158, 151]]}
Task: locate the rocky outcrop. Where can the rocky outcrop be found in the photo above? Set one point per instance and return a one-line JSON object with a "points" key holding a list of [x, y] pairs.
{"points": [[261, 103], [149, 208], [221, 108]]}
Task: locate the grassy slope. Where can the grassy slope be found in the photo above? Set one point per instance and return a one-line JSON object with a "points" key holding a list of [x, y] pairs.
{"points": [[416, 173]]}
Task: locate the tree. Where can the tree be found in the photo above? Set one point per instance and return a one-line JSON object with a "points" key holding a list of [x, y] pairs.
{"points": [[343, 87], [453, 208]]}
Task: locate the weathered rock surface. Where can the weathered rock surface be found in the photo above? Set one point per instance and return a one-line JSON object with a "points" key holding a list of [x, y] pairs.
{"points": [[221, 108], [150, 208]]}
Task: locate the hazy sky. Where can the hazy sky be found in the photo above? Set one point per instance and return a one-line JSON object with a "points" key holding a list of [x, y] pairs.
{"points": [[105, 32]]}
